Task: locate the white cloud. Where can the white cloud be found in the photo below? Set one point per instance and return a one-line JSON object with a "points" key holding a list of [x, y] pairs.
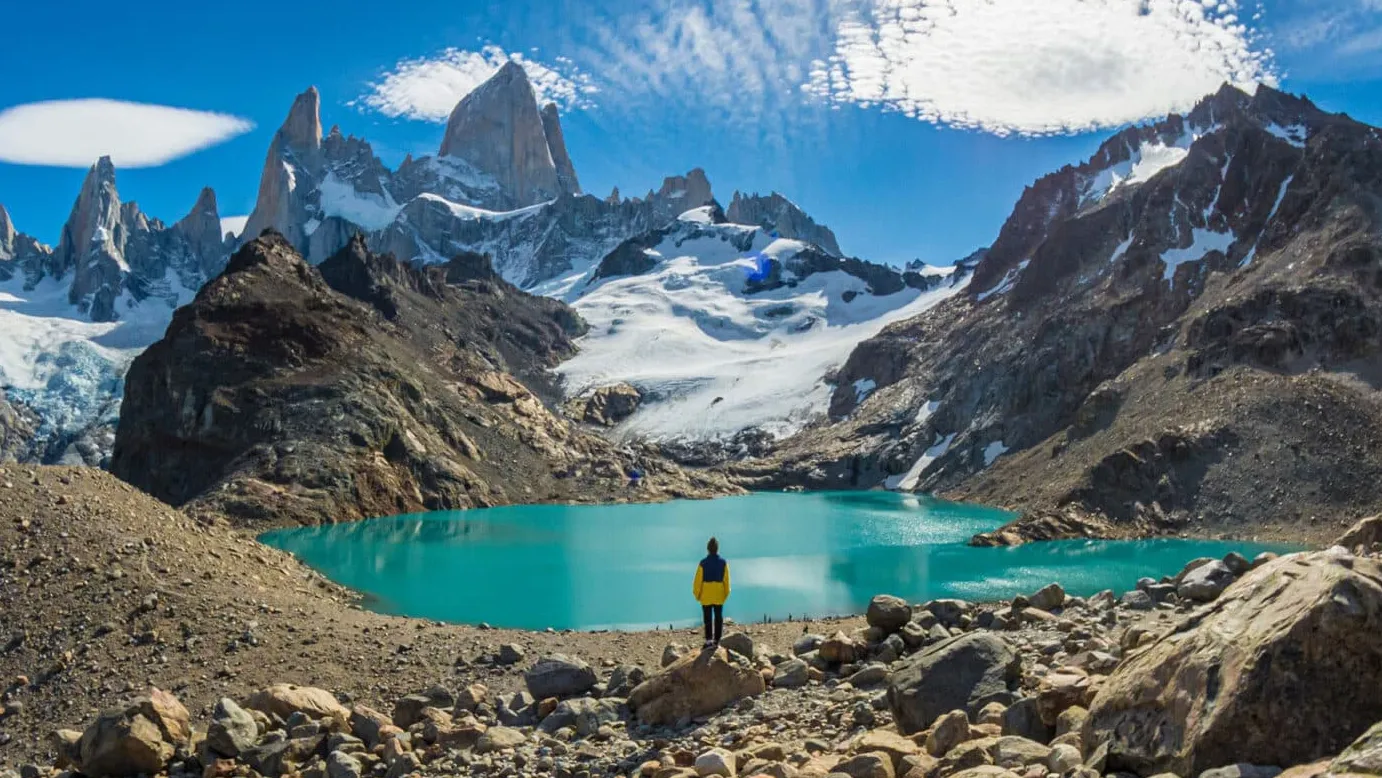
{"points": [[736, 61], [427, 88], [1054, 66], [75, 133], [233, 224]]}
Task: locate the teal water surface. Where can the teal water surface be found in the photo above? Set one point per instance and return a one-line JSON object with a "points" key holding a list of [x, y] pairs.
{"points": [[626, 566]]}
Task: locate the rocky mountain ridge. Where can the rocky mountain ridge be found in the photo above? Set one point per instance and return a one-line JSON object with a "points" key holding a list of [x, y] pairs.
{"points": [[73, 316], [502, 184], [1153, 336], [291, 393]]}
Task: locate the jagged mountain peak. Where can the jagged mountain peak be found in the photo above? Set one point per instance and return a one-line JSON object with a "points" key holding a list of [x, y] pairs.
{"points": [[498, 130], [556, 144], [303, 127], [776, 213]]}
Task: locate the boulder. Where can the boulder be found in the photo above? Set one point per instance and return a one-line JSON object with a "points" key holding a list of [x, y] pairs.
{"points": [[948, 612], [1237, 563], [740, 643], [369, 724], [283, 700], [1137, 600], [888, 613], [878, 765], [1365, 533], [868, 675], [275, 757], [408, 710], [1282, 669], [1014, 752], [1363, 756], [623, 679], [123, 743], [510, 654], [1048, 598], [343, 765], [716, 761], [965, 673], [585, 715], [559, 675], [1242, 770], [1190, 566], [696, 685], [498, 739], [232, 729], [792, 674], [1059, 690], [882, 741], [1063, 758], [1022, 719], [807, 643], [948, 731], [1205, 583], [842, 649], [171, 718]]}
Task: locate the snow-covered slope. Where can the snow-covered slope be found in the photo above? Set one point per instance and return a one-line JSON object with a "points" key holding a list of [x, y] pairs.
{"points": [[734, 328], [68, 370]]}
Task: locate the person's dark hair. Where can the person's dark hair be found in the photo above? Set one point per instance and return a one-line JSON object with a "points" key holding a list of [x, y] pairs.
{"points": [[713, 546]]}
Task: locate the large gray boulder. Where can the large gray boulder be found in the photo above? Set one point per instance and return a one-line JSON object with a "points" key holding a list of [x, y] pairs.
{"points": [[559, 675], [888, 613], [696, 685], [584, 715], [232, 729], [1283, 669], [964, 673], [1206, 582]]}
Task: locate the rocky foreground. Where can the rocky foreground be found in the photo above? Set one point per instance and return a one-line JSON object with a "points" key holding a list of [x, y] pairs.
{"points": [[1230, 669]]}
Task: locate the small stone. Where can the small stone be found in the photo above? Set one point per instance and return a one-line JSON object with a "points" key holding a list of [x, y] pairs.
{"points": [[716, 761]]}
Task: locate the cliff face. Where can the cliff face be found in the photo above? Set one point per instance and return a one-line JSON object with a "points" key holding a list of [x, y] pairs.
{"points": [[287, 393], [1168, 337]]}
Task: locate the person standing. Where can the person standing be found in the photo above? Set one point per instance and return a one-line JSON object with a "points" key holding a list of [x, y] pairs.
{"points": [[712, 589]]}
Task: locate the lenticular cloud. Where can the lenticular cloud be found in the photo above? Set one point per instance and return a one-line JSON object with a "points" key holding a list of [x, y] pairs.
{"points": [[427, 88], [75, 133], [1038, 67]]}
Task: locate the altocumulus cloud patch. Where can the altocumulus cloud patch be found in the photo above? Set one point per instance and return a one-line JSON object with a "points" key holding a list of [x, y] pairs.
{"points": [[1035, 68], [75, 133], [427, 88]]}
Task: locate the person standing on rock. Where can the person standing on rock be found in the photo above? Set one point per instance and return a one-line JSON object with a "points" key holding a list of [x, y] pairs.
{"points": [[712, 589]]}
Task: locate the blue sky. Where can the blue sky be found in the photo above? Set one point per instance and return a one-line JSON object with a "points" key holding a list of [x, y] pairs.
{"points": [[908, 126]]}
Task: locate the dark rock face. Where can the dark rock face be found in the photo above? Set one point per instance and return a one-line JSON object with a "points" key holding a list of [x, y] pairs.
{"points": [[778, 214], [286, 393], [1146, 348]]}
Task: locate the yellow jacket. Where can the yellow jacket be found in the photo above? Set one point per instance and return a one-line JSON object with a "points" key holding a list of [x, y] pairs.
{"points": [[712, 581]]}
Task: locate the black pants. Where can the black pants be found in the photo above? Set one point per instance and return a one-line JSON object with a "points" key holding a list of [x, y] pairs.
{"points": [[718, 611]]}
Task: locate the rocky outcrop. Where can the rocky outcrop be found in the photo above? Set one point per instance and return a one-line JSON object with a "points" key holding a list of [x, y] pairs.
{"points": [[778, 214], [697, 685], [608, 405], [1279, 670], [285, 393], [1140, 329], [1046, 525], [498, 130]]}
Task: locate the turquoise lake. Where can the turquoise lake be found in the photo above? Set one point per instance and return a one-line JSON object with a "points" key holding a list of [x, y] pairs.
{"points": [[631, 566]]}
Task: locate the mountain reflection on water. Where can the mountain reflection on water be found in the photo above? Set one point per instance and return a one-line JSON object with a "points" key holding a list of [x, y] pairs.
{"points": [[591, 566]]}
